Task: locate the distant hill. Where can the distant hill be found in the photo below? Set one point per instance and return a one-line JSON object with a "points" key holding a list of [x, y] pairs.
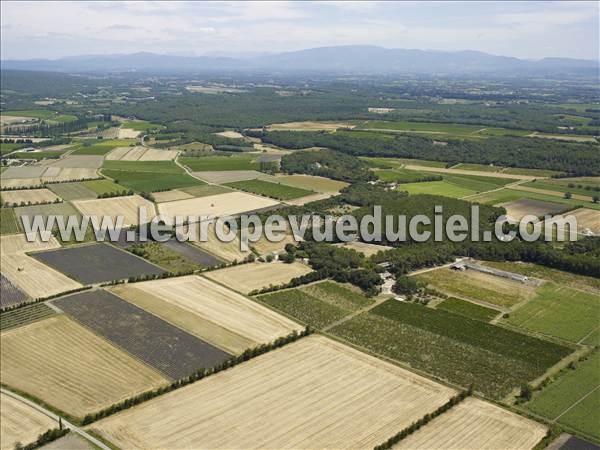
{"points": [[342, 59]]}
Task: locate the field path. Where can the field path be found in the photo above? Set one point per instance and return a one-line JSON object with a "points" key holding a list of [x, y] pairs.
{"points": [[378, 302], [507, 186], [576, 403], [56, 417]]}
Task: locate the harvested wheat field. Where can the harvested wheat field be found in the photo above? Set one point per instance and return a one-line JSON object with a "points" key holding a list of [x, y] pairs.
{"points": [[60, 174], [525, 206], [314, 393], [20, 423], [309, 126], [125, 206], [117, 153], [587, 219], [153, 154], [307, 199], [27, 273], [171, 196], [127, 133], [218, 205], [313, 183], [248, 277], [209, 311], [134, 153], [364, 248], [71, 368], [227, 251], [476, 424], [29, 196], [12, 183]]}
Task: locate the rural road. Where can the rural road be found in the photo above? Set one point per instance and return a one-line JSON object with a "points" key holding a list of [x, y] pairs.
{"points": [[53, 416]]}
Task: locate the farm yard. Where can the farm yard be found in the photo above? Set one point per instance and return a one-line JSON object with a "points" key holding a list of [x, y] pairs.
{"points": [[157, 343], [338, 395], [478, 286], [209, 311], [117, 206], [57, 361], [268, 189], [573, 399], [245, 278], [218, 205], [28, 196], [490, 427], [317, 305], [26, 273], [20, 423], [96, 263], [495, 359]]}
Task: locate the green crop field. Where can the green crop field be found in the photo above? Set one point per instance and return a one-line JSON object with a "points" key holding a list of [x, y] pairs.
{"points": [[561, 312], [572, 185], [63, 209], [220, 162], [452, 347], [443, 187], [400, 175], [141, 125], [467, 309], [478, 286], [37, 155], [205, 190], [144, 166], [478, 183], [268, 189], [72, 191], [531, 172], [8, 147], [508, 195], [103, 186], [317, 305], [477, 167], [555, 400], [146, 181], [101, 146], [443, 129], [8, 221]]}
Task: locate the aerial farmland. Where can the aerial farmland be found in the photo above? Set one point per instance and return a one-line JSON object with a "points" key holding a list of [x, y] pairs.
{"points": [[353, 283]]}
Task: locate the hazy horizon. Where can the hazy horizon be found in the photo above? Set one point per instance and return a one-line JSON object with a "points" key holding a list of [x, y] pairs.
{"points": [[526, 30]]}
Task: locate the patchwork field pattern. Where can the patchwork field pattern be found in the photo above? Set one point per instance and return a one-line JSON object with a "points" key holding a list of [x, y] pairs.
{"points": [[168, 349], [216, 205], [249, 277], [476, 424], [494, 359], [573, 399], [15, 198], [341, 399], [97, 263], [20, 423], [69, 367], [117, 206], [212, 312], [28, 274]]}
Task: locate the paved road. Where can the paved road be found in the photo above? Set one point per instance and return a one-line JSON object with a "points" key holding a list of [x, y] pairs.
{"points": [[53, 416]]}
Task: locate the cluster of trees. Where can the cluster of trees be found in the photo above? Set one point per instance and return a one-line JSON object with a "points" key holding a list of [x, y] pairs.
{"points": [[112, 194], [43, 439], [196, 376], [574, 158], [455, 400], [327, 163]]}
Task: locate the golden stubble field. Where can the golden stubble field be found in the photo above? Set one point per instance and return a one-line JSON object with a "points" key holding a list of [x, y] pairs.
{"points": [[476, 424], [20, 423], [29, 195], [33, 277], [245, 278], [113, 207], [212, 312], [230, 203], [139, 153], [314, 393], [69, 367]]}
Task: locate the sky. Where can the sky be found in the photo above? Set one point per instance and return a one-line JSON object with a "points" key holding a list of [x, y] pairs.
{"points": [[532, 30]]}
